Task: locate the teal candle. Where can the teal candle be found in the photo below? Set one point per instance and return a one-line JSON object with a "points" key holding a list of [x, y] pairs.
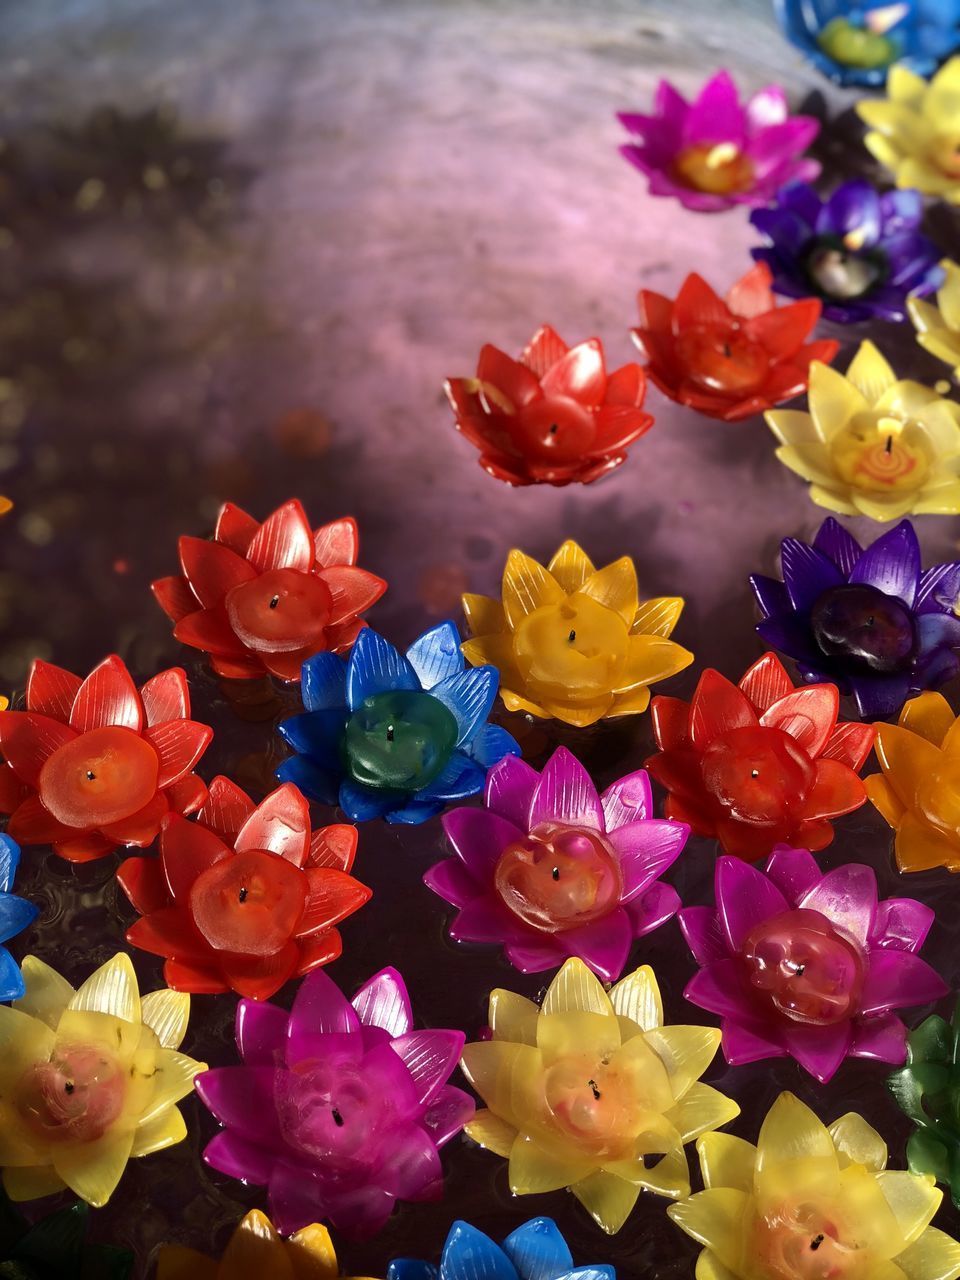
{"points": [[399, 741]]}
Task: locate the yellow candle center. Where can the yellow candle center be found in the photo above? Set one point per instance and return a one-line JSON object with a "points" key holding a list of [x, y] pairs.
{"points": [[805, 1241], [881, 454], [718, 168], [573, 651], [594, 1104]]}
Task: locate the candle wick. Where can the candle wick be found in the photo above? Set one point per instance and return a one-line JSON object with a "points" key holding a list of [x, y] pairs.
{"points": [[799, 970], [69, 1087], [888, 447], [242, 895], [726, 350], [571, 637], [595, 1090], [337, 1117], [90, 775], [754, 773], [274, 602], [555, 873], [554, 428], [391, 733], [816, 1242]]}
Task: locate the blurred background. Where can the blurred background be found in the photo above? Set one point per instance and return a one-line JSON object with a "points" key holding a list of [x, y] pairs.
{"points": [[242, 242]]}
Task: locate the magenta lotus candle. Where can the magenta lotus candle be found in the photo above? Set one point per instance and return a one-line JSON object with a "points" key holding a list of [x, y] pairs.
{"points": [[340, 1107], [805, 965], [551, 868]]}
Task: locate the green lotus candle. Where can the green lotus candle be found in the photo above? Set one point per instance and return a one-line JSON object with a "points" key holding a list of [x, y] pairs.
{"points": [[928, 1091]]}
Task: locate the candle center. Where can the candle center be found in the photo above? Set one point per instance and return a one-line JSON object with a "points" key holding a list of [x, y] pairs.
{"points": [[75, 1097], [573, 651], [803, 1242], [759, 775], [880, 454], [280, 611], [854, 46], [865, 626], [806, 969], [718, 168], [99, 777], [554, 429], [722, 359], [594, 1103], [559, 878], [399, 741], [249, 904], [329, 1110], [842, 269]]}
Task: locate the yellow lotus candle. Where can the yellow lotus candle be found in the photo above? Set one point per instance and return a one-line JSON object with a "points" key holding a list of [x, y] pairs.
{"points": [[918, 791], [574, 642], [813, 1203], [255, 1252], [938, 327], [915, 130], [581, 1090], [872, 444], [88, 1079]]}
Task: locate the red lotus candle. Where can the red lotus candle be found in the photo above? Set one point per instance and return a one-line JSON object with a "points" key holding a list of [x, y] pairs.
{"points": [[96, 763], [247, 896], [262, 598], [734, 357]]}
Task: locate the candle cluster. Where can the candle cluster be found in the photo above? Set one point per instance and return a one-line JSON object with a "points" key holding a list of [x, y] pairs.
{"points": [[339, 1108]]}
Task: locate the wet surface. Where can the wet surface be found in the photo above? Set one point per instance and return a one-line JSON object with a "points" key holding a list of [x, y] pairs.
{"points": [[241, 244]]}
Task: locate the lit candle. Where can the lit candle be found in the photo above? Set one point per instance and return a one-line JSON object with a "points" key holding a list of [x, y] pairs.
{"points": [[399, 741], [854, 46], [99, 777], [719, 168], [804, 967], [559, 878]]}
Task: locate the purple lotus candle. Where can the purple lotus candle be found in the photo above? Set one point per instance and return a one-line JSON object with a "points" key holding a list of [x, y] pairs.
{"points": [[340, 1107], [805, 965], [552, 869]]}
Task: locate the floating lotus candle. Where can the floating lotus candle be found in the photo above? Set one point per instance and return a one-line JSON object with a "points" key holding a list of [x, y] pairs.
{"points": [[928, 1090], [915, 132], [872, 444], [860, 252], [856, 42], [554, 416], [256, 1250], [245, 898], [808, 966], [918, 792], [717, 151], [15, 915], [760, 763], [871, 621], [95, 763], [581, 1091], [812, 1203], [340, 1106], [535, 1251], [574, 642], [56, 1248], [729, 358], [89, 1078], [391, 736], [551, 869], [938, 327], [264, 597]]}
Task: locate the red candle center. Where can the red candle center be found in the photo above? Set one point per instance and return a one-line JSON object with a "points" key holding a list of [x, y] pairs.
{"points": [[249, 904], [805, 968], [554, 429], [758, 775], [75, 1097], [100, 777], [722, 359], [559, 878], [280, 611], [802, 1242]]}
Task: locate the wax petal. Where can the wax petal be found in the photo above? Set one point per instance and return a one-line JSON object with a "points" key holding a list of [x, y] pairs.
{"points": [[848, 897], [566, 794], [898, 980], [744, 897]]}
